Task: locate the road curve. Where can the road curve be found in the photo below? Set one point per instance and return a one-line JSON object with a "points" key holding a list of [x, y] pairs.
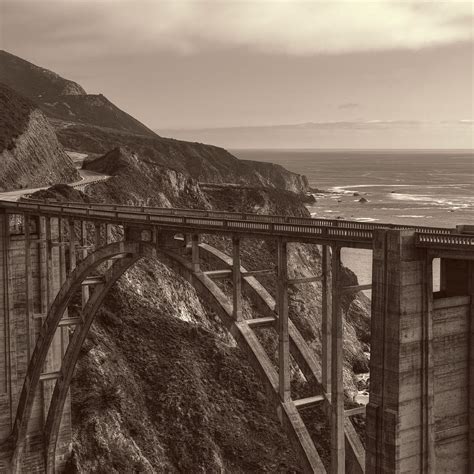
{"points": [[87, 177]]}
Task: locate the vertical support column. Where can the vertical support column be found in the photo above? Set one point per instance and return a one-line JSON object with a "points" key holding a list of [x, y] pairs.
{"points": [[62, 252], [237, 279], [62, 278], [47, 298], [337, 383], [471, 368], [85, 288], [97, 238], [399, 417], [8, 375], [195, 253], [30, 333], [283, 336], [43, 258], [108, 233], [427, 395], [72, 245], [109, 238], [49, 264], [442, 275], [326, 322]]}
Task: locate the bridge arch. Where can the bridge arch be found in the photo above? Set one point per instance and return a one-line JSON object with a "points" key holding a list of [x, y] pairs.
{"points": [[130, 252]]}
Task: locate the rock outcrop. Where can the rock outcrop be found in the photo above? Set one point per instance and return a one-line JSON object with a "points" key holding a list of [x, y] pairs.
{"points": [[144, 182], [30, 154]]}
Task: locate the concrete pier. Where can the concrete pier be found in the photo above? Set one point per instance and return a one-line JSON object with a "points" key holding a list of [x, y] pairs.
{"points": [[419, 418]]}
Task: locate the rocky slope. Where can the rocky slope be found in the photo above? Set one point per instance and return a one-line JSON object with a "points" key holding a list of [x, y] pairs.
{"points": [[159, 382], [92, 124], [204, 163], [160, 386], [30, 154]]}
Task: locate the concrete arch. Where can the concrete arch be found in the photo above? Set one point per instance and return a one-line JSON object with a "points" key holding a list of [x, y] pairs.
{"points": [[45, 338], [207, 289]]}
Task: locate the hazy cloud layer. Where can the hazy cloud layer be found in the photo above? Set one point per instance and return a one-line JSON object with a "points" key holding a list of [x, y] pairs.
{"points": [[349, 105], [285, 26]]}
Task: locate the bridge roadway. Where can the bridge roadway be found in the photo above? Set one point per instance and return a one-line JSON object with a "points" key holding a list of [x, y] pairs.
{"points": [[323, 231]]}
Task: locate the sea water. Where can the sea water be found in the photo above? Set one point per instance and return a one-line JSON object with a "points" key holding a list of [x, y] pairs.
{"points": [[415, 187]]}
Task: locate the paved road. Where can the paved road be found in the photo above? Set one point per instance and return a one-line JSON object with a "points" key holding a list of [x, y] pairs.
{"points": [[87, 177]]}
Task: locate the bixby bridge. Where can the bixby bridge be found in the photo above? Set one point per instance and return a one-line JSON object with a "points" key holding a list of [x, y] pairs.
{"points": [[420, 416]]}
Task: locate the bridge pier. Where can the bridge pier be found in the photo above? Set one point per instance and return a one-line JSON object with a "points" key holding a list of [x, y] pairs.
{"points": [[283, 336], [338, 457], [32, 266], [420, 414], [236, 280], [326, 323]]}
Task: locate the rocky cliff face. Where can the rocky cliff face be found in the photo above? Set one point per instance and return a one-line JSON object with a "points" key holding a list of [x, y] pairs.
{"points": [[144, 182], [92, 124], [30, 154], [203, 163]]}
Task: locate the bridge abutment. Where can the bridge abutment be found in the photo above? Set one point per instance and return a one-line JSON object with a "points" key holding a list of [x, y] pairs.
{"points": [[420, 415]]}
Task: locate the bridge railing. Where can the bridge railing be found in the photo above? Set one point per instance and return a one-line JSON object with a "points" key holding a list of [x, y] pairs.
{"points": [[196, 220], [462, 241], [275, 218]]}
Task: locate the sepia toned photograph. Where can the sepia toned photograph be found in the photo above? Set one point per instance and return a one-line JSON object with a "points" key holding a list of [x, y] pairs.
{"points": [[236, 236]]}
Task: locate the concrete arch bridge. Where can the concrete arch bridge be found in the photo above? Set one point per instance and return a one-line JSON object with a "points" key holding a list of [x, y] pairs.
{"points": [[421, 408]]}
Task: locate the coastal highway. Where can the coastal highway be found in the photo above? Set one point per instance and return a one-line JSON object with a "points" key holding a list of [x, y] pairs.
{"points": [[87, 177]]}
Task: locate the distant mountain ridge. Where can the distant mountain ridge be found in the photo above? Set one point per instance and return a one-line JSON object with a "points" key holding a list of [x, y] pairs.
{"points": [[34, 82], [63, 100], [90, 123]]}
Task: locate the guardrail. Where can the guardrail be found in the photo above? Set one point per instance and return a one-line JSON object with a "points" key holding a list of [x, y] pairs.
{"points": [[461, 241], [349, 233], [274, 218]]}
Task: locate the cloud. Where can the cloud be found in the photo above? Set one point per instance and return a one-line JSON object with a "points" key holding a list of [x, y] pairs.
{"points": [[349, 105], [269, 26]]}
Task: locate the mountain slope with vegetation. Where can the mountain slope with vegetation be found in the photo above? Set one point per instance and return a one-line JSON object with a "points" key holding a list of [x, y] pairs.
{"points": [[92, 124]]}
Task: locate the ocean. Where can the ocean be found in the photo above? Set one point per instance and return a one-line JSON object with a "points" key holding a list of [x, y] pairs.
{"points": [[415, 187]]}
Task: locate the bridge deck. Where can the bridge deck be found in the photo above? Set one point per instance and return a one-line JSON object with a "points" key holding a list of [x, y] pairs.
{"points": [[298, 229]]}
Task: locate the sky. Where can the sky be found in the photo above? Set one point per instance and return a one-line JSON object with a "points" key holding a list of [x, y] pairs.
{"points": [[401, 71]]}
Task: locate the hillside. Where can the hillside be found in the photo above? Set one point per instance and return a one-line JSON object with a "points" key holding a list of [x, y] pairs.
{"points": [[160, 386], [204, 163], [30, 154], [92, 124], [62, 99]]}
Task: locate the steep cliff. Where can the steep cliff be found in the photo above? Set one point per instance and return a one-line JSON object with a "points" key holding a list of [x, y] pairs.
{"points": [[204, 163], [92, 124], [30, 154], [144, 182]]}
